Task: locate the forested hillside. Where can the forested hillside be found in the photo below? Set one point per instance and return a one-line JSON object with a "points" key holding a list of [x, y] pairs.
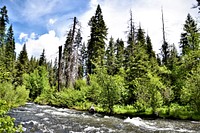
{"points": [[118, 77]]}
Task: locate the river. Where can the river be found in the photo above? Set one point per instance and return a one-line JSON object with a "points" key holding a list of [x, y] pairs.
{"points": [[45, 119]]}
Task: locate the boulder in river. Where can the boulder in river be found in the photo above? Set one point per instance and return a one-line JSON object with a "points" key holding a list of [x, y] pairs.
{"points": [[92, 110]]}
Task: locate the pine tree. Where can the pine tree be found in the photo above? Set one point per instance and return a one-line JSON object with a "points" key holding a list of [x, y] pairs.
{"points": [[10, 50], [96, 44], [173, 58], [119, 55], [174, 76], [110, 58], [140, 37], [138, 65], [3, 21], [137, 68], [190, 37], [165, 53], [33, 64], [9, 59], [22, 65], [129, 50], [150, 51], [189, 61], [42, 60]]}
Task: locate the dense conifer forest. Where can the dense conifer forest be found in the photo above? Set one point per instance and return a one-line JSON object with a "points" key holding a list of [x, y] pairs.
{"points": [[116, 76]]}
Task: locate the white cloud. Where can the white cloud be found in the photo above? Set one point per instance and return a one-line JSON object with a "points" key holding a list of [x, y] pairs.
{"points": [[48, 41], [33, 36], [23, 36]]}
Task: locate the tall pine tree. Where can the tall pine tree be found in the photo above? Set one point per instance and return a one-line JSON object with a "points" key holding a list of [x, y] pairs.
{"points": [[96, 43], [3, 21], [10, 50], [190, 37], [22, 65]]}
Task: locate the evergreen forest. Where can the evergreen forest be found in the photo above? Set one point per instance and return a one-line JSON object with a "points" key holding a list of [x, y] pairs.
{"points": [[123, 77]]}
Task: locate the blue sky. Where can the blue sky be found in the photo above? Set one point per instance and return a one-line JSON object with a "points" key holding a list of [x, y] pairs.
{"points": [[30, 16], [43, 24]]}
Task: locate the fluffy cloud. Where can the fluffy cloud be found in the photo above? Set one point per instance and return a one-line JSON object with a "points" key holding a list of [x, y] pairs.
{"points": [[49, 41], [23, 36]]}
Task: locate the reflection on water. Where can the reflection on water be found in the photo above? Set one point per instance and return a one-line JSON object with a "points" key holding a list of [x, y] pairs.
{"points": [[45, 119]]}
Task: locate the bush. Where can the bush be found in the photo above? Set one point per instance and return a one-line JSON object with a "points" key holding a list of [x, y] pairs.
{"points": [[13, 97], [181, 112], [47, 97], [37, 82], [80, 84], [21, 95], [6, 122], [10, 97]]}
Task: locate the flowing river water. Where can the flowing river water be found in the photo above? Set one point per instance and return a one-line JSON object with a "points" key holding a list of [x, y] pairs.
{"points": [[45, 119]]}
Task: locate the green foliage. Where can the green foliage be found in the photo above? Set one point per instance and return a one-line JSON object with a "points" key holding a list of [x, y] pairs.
{"points": [[111, 88], [37, 82], [13, 97], [10, 97], [191, 90], [33, 64], [148, 92], [70, 97], [6, 122], [10, 53], [181, 112], [21, 95], [93, 90], [47, 98], [137, 68], [79, 84]]}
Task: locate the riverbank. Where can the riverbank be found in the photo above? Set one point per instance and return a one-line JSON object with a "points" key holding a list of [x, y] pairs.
{"points": [[173, 112]]}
